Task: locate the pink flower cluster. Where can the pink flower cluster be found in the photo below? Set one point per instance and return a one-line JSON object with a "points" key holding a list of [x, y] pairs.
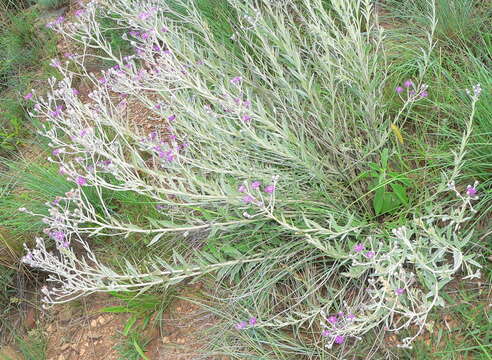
{"points": [[236, 80], [165, 150], [145, 15], [58, 111], [358, 248], [57, 22], [255, 185], [471, 191], [169, 154], [59, 237], [336, 324], [410, 87], [244, 324]]}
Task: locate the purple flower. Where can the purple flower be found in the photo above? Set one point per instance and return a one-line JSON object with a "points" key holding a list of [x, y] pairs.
{"points": [[471, 191], [102, 80], [241, 325], [170, 156], [350, 316], [57, 152], [339, 339], [246, 103], [399, 89], [255, 184], [370, 254], [57, 111], [59, 20], [358, 248], [424, 94], [332, 319], [57, 235], [399, 291], [248, 199], [242, 188], [144, 15], [164, 29], [134, 33], [477, 90], [55, 63], [236, 80], [81, 181], [246, 118], [75, 92], [65, 244], [140, 75], [28, 96], [325, 333], [171, 117], [145, 35], [159, 207], [412, 92], [167, 52], [408, 83], [269, 189], [79, 12], [252, 321]]}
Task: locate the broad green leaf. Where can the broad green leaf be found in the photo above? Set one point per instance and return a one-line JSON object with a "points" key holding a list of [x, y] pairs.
{"points": [[390, 202], [400, 192], [378, 200]]}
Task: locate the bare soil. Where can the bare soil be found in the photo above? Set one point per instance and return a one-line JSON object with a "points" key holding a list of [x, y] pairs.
{"points": [[82, 331]]}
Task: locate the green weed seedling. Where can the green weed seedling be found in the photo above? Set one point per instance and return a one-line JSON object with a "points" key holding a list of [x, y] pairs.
{"points": [[133, 347], [389, 187], [140, 306]]}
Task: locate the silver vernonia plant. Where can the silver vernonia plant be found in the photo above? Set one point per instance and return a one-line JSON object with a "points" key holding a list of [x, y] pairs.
{"points": [[218, 128]]}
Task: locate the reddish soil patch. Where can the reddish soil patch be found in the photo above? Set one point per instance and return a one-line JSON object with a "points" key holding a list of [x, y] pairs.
{"points": [[183, 335], [84, 332]]}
